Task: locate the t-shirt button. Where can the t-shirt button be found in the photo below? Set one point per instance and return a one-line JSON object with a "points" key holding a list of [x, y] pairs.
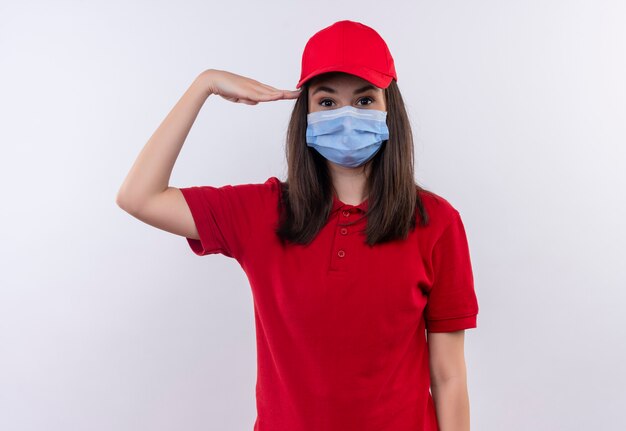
{"points": [[346, 213], [341, 253], [344, 231]]}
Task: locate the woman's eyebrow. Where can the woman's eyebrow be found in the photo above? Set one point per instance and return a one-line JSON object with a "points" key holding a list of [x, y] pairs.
{"points": [[332, 90]]}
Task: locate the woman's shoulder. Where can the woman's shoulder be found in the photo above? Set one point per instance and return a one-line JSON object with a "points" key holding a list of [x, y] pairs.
{"points": [[270, 185], [439, 209], [436, 201], [247, 195], [272, 188], [273, 183]]}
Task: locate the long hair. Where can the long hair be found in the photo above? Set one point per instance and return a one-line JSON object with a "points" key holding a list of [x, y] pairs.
{"points": [[393, 195]]}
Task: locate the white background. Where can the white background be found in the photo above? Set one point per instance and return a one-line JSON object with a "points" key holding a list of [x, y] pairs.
{"points": [[519, 115]]}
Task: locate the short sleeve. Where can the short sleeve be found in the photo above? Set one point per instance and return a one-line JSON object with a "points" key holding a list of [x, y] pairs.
{"points": [[226, 217], [452, 304]]}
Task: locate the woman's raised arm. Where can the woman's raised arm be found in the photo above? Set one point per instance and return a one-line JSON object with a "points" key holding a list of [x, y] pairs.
{"points": [[145, 193]]}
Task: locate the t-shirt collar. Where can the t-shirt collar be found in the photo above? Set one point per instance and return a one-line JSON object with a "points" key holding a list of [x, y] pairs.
{"points": [[337, 204]]}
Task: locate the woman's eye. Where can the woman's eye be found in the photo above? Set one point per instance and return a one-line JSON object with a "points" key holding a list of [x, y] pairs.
{"points": [[330, 102]]}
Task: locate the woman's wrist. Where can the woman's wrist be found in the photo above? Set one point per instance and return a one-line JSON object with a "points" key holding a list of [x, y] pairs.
{"points": [[204, 82]]}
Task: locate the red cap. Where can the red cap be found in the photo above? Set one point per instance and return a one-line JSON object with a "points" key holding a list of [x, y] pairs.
{"points": [[351, 47]]}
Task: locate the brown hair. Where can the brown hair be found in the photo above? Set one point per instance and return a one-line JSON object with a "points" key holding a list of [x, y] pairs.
{"points": [[307, 195]]}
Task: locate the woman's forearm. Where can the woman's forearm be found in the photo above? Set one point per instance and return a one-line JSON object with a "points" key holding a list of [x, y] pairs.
{"points": [[452, 404], [151, 171]]}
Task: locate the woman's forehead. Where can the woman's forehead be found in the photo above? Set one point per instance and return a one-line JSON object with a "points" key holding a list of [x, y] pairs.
{"points": [[345, 81]]}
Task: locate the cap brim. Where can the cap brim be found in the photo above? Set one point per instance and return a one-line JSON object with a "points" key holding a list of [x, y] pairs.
{"points": [[379, 79]]}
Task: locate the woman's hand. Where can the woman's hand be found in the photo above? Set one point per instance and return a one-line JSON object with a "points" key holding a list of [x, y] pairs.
{"points": [[240, 89]]}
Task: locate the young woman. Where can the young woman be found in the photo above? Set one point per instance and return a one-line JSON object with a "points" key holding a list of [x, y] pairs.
{"points": [[361, 279]]}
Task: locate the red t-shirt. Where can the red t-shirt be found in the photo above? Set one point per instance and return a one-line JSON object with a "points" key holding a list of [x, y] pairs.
{"points": [[341, 326]]}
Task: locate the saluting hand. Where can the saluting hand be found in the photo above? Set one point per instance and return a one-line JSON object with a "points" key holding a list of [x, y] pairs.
{"points": [[240, 89]]}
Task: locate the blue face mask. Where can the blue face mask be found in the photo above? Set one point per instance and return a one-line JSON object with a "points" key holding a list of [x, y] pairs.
{"points": [[347, 136]]}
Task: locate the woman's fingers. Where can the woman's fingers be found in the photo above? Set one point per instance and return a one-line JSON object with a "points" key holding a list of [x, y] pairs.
{"points": [[266, 96], [277, 94], [291, 94], [284, 94], [287, 94], [268, 87], [241, 89]]}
